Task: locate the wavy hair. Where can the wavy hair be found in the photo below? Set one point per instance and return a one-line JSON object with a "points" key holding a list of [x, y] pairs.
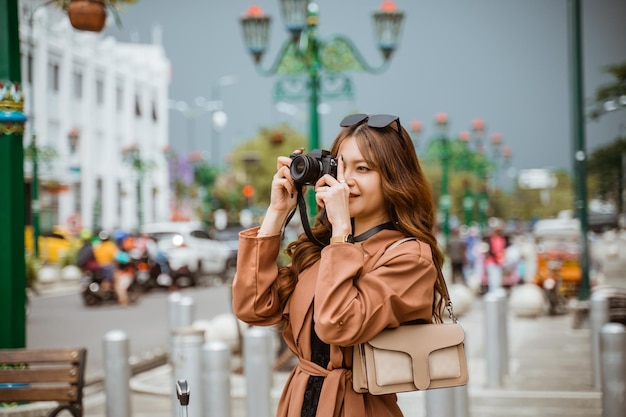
{"points": [[408, 197]]}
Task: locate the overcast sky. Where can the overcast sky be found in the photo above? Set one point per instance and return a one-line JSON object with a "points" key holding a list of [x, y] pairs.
{"points": [[504, 61]]}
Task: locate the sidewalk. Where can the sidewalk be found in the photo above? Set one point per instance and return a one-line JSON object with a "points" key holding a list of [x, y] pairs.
{"points": [[550, 375]]}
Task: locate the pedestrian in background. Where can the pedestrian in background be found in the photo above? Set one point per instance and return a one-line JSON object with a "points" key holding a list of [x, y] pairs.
{"points": [[331, 298], [456, 254]]}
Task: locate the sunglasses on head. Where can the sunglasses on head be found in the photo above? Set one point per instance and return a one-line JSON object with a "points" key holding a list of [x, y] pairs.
{"points": [[377, 121]]}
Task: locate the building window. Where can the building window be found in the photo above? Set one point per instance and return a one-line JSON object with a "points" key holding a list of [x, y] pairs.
{"points": [[78, 197], [137, 107], [120, 194], [29, 68], [78, 85], [155, 116], [99, 92], [53, 74], [119, 98]]}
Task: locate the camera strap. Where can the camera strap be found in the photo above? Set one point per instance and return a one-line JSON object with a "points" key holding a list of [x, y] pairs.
{"points": [[305, 219]]}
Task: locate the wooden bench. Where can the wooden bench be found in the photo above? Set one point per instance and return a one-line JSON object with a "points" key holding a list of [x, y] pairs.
{"points": [[30, 375]]}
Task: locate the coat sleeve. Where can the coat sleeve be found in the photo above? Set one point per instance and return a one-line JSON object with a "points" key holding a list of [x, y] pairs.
{"points": [[352, 306], [255, 297]]}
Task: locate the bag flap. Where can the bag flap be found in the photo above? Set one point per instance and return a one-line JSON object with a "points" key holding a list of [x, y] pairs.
{"points": [[419, 341]]}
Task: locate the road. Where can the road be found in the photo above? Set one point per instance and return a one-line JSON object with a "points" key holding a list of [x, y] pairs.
{"points": [[63, 321]]}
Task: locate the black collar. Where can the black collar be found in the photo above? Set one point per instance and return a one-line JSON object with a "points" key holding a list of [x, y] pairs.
{"points": [[374, 230]]}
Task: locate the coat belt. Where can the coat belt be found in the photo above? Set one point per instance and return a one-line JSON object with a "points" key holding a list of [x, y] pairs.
{"points": [[336, 392]]}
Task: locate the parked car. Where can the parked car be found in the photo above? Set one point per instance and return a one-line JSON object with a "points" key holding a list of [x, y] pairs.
{"points": [[229, 235], [54, 244], [191, 251]]}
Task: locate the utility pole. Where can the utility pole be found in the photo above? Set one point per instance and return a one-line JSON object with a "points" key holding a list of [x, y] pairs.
{"points": [[12, 207], [579, 148]]}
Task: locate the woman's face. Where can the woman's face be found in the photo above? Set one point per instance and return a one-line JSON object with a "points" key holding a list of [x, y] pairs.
{"points": [[367, 204]]}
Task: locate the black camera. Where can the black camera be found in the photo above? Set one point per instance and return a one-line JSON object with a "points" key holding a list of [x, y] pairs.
{"points": [[307, 169]]}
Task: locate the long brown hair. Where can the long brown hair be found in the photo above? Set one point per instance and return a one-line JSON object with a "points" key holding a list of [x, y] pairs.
{"points": [[408, 197]]}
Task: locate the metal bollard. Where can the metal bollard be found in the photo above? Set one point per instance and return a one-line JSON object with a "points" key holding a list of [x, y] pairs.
{"points": [[494, 277], [461, 396], [613, 360], [503, 308], [186, 311], [440, 402], [495, 335], [598, 316], [116, 374], [461, 402], [173, 313], [216, 378], [186, 360], [257, 362]]}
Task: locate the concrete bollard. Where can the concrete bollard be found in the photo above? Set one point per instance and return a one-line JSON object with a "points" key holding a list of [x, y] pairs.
{"points": [[496, 345], [598, 317], [258, 360], [440, 402], [116, 374], [216, 357], [186, 360], [613, 360]]}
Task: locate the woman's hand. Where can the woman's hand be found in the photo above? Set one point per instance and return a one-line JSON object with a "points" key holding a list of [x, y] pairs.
{"points": [[333, 194], [283, 193], [283, 198]]}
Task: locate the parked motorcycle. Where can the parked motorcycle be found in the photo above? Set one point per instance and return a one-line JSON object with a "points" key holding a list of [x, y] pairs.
{"points": [[150, 275], [552, 286], [95, 291]]}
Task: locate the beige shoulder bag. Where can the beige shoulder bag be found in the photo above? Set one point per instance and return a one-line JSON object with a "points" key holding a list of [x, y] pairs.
{"points": [[412, 357]]}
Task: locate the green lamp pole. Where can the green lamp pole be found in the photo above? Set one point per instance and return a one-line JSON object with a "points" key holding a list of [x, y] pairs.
{"points": [[309, 65], [12, 207], [441, 120], [468, 196], [578, 129], [478, 132]]}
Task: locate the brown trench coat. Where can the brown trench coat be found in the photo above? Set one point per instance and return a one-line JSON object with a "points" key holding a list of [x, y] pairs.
{"points": [[357, 291]]}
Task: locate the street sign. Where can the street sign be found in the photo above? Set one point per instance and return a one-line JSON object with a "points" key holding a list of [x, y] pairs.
{"points": [[536, 179]]}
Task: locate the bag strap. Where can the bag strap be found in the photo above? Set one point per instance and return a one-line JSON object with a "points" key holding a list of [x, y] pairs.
{"points": [[446, 294]]}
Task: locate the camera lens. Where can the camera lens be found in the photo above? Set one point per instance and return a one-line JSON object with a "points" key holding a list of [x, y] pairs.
{"points": [[305, 169]]}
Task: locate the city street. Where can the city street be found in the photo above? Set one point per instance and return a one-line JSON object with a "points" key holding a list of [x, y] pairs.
{"points": [[550, 371], [61, 320]]}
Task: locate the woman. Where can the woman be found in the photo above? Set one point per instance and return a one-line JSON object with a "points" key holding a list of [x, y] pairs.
{"points": [[332, 298]]}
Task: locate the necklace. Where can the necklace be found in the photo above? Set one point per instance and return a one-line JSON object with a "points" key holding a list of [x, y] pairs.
{"points": [[374, 230]]}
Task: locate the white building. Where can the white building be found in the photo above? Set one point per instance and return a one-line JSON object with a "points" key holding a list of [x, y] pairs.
{"points": [[109, 99]]}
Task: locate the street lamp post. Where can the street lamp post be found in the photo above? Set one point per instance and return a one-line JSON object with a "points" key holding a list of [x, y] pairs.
{"points": [[468, 195], [441, 120], [478, 132], [35, 207], [213, 106], [313, 64], [461, 155]]}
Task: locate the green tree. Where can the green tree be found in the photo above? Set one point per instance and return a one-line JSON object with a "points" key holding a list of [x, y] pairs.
{"points": [[606, 172], [254, 163], [610, 96]]}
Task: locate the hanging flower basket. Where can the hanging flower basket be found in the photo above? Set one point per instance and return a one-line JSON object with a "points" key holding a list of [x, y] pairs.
{"points": [[54, 187], [90, 15], [87, 15]]}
